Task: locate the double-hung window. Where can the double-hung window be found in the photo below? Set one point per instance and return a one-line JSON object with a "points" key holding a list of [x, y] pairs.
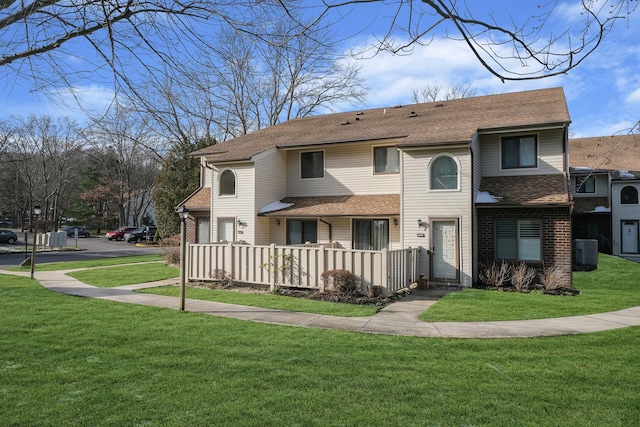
{"points": [[312, 164], [519, 239], [519, 152], [386, 160]]}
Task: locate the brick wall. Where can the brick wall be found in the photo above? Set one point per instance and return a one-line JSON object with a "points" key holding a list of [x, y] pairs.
{"points": [[192, 224], [556, 235]]}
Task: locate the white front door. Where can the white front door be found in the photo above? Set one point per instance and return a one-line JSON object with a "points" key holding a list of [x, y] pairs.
{"points": [[444, 254], [629, 236], [226, 229]]}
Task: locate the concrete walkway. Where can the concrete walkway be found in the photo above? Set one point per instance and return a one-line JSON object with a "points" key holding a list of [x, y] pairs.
{"points": [[399, 318]]}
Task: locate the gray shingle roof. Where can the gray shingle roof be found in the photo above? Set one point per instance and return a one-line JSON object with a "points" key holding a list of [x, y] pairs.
{"points": [[606, 152], [436, 123]]}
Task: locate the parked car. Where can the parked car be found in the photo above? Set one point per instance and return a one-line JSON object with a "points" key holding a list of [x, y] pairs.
{"points": [[71, 230], [8, 236], [141, 234], [118, 234]]}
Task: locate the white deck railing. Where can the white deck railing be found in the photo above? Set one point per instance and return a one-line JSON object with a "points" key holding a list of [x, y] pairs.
{"points": [[299, 266]]}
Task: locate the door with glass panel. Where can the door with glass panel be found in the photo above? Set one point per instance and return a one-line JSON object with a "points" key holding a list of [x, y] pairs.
{"points": [[226, 229], [444, 253]]}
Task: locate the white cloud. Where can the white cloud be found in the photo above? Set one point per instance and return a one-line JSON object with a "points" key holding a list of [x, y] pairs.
{"points": [[444, 62]]}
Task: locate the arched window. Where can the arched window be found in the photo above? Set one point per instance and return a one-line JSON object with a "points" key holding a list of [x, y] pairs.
{"points": [[444, 174], [629, 195], [227, 183]]}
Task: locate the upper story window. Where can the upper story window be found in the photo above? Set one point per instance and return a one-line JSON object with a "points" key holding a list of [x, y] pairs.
{"points": [[227, 183], [519, 152], [585, 184], [386, 160], [312, 164], [629, 195], [444, 174]]}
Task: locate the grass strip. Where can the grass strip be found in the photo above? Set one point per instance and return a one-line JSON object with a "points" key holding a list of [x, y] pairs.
{"points": [[104, 262], [126, 275], [615, 285], [76, 361], [263, 300]]}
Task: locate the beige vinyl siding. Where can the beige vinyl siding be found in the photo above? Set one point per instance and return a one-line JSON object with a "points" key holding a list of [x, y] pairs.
{"points": [[348, 169], [206, 174], [418, 202], [550, 156], [241, 206], [270, 186]]}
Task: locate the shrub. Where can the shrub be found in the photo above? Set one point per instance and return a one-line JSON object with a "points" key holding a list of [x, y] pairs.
{"points": [[342, 282], [551, 278], [222, 278], [522, 276], [171, 249], [495, 275]]}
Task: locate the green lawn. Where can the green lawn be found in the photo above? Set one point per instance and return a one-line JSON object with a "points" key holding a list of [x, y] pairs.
{"points": [[76, 361], [277, 302], [109, 277], [613, 286], [70, 265]]}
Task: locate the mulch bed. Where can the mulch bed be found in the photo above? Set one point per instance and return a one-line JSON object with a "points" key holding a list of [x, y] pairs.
{"points": [[311, 294]]}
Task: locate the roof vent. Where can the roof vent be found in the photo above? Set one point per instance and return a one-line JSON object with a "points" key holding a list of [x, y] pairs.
{"points": [[346, 123], [360, 113], [413, 114], [357, 119], [440, 105]]}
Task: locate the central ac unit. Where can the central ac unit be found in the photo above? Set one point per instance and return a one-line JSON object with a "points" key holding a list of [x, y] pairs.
{"points": [[586, 251]]}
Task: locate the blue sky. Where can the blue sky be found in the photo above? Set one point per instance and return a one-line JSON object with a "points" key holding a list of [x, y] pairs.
{"points": [[603, 93]]}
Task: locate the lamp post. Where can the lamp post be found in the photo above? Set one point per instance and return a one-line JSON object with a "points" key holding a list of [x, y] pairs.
{"points": [[36, 213], [183, 213]]}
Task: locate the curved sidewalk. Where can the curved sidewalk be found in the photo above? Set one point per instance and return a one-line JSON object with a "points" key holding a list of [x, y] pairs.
{"points": [[399, 318]]}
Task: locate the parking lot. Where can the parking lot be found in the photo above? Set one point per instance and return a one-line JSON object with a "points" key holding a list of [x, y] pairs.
{"points": [[94, 247]]}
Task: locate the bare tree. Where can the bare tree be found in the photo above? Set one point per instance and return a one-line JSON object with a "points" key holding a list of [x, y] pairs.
{"points": [[509, 48], [44, 153], [434, 92], [244, 84], [56, 42], [128, 160]]}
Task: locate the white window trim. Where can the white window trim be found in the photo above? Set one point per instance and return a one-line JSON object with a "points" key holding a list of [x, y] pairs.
{"points": [[444, 190], [324, 165], [520, 134], [235, 175]]}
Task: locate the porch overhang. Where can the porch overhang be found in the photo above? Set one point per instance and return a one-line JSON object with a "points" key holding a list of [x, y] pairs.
{"points": [[377, 205], [524, 190], [198, 201]]}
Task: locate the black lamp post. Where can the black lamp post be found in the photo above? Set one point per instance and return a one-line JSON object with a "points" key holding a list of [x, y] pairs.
{"points": [[36, 213], [183, 213]]}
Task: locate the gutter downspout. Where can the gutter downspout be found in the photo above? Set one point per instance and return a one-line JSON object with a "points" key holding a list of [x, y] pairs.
{"points": [[330, 229]]}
